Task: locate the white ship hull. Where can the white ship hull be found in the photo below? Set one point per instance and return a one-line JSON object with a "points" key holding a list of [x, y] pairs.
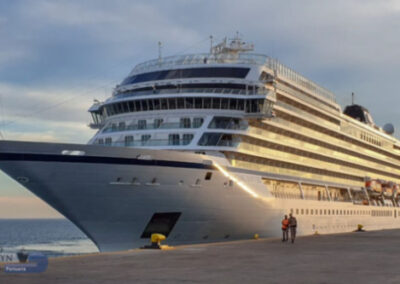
{"points": [[112, 193]]}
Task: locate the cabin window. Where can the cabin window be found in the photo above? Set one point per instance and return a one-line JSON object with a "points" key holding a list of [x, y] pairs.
{"points": [[173, 139], [197, 122], [187, 138], [185, 122], [210, 139], [100, 141], [129, 140], [121, 126], [142, 124], [108, 141], [158, 122], [208, 176], [145, 138]]}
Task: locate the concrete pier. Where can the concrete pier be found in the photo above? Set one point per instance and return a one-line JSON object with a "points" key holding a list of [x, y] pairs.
{"points": [[369, 257]]}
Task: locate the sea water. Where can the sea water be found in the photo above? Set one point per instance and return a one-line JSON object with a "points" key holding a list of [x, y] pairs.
{"points": [[52, 237]]}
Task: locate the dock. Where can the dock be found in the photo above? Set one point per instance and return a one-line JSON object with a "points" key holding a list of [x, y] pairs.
{"points": [[362, 257]]}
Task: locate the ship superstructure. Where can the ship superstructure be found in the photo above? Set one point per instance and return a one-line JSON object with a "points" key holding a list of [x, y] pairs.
{"points": [[216, 146]]}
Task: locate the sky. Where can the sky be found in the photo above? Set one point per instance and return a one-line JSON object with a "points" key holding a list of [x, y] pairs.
{"points": [[57, 56]]}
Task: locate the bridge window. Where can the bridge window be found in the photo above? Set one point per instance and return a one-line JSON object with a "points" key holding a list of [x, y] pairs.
{"points": [[248, 105], [219, 72], [198, 103], [216, 103], [164, 103], [172, 103]]}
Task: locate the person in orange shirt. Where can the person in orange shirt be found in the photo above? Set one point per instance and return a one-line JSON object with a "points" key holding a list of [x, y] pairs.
{"points": [[285, 229]]}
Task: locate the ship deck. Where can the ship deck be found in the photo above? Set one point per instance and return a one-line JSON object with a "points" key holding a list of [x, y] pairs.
{"points": [[368, 257]]}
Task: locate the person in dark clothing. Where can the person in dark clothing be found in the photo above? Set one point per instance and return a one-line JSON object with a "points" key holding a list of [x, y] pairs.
{"points": [[292, 226]]}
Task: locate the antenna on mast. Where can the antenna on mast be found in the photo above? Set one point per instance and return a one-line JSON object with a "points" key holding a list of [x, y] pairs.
{"points": [[352, 98], [211, 43], [159, 52]]}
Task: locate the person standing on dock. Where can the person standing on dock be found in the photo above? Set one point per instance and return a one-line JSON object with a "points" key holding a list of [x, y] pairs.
{"points": [[285, 229], [292, 226]]}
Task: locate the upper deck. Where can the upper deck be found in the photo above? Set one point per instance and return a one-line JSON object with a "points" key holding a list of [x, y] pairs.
{"points": [[189, 60]]}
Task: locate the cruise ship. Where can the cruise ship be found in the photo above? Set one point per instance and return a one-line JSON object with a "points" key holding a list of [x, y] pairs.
{"points": [[215, 147]]}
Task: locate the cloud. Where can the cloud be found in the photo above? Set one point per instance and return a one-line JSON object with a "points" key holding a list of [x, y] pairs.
{"points": [[47, 114]]}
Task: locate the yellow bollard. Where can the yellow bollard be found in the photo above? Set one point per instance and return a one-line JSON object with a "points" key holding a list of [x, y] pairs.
{"points": [[256, 236], [360, 228], [156, 241]]}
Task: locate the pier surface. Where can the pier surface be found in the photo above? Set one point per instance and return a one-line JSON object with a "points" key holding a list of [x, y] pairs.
{"points": [[369, 257]]}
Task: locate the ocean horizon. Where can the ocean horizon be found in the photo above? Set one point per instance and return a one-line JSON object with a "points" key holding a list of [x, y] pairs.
{"points": [[52, 237]]}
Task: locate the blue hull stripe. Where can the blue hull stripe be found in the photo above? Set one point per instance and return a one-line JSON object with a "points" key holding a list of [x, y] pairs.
{"points": [[99, 160]]}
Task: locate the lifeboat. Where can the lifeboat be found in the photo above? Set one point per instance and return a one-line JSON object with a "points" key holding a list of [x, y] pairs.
{"points": [[396, 193], [374, 187], [388, 189]]}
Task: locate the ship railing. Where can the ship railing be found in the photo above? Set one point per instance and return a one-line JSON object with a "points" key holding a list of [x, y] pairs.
{"points": [[152, 142], [227, 91], [241, 58], [164, 125], [166, 142]]}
